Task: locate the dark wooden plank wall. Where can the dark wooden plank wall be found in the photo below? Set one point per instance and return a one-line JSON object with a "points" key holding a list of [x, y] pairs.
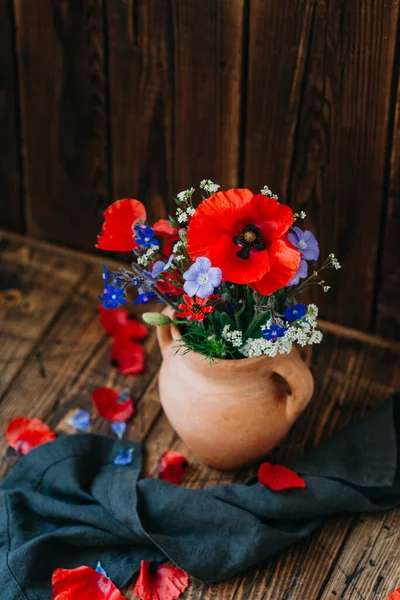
{"points": [[102, 99]]}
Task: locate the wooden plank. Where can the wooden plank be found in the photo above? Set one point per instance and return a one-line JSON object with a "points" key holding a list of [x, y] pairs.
{"points": [[388, 311], [279, 34], [35, 284], [175, 72], [351, 376], [340, 146], [61, 64], [11, 215]]}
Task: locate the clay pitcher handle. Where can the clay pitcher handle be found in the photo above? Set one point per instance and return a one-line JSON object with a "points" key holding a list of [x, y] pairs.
{"points": [[164, 337], [298, 376]]}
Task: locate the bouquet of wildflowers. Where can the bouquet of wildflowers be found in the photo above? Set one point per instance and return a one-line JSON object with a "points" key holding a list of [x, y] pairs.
{"points": [[230, 270]]}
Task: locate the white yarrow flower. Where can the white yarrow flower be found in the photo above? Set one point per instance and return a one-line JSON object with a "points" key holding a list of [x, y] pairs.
{"points": [[209, 186]]}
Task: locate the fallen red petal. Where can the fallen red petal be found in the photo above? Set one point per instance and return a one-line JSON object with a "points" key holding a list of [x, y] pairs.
{"points": [[160, 582], [394, 595], [172, 466], [113, 405], [127, 356], [279, 478], [120, 322], [83, 582], [24, 434]]}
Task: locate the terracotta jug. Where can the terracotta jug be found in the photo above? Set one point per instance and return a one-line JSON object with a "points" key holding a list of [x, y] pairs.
{"points": [[230, 413]]}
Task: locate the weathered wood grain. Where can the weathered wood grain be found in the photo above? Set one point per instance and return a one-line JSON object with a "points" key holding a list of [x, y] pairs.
{"points": [[63, 105], [340, 145], [388, 281], [175, 71], [278, 42], [34, 285], [11, 216]]}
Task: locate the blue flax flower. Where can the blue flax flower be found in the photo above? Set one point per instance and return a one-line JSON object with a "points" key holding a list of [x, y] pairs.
{"points": [[296, 312], [112, 296], [305, 242], [273, 332], [158, 268], [144, 236], [301, 272], [201, 278]]}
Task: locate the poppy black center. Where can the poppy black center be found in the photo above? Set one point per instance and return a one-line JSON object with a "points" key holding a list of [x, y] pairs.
{"points": [[249, 238], [196, 309]]}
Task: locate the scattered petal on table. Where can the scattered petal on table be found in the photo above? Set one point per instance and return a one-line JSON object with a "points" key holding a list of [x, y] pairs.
{"points": [[113, 405], [127, 356], [160, 582], [124, 458], [83, 583], [394, 595], [120, 322], [172, 466], [80, 420], [100, 570], [119, 428], [279, 478], [23, 434]]}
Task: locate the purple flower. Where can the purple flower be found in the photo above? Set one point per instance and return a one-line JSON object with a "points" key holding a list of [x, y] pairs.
{"points": [[201, 278], [158, 268], [305, 242], [273, 332], [301, 272]]}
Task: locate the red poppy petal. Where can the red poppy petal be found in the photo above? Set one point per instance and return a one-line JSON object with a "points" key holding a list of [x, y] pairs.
{"points": [[213, 219], [279, 478], [117, 231], [273, 218], [24, 434], [127, 356], [394, 595], [164, 229], [235, 269], [284, 262], [109, 405], [172, 466], [160, 582], [121, 322], [166, 287], [83, 582]]}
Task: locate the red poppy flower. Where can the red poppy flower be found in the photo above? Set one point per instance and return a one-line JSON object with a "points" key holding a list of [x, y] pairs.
{"points": [[127, 356], [279, 478], [194, 309], [83, 582], [164, 229], [172, 467], [112, 405], [117, 231], [160, 582], [394, 595], [243, 234], [24, 434], [167, 287], [120, 322]]}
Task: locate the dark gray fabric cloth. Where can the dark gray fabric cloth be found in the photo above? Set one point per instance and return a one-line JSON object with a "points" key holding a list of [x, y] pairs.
{"points": [[66, 504]]}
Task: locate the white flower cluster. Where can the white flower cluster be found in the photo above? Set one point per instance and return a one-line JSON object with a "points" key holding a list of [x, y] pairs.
{"points": [[302, 332], [186, 195], [179, 258], [146, 257], [209, 186], [267, 192], [234, 337], [300, 215], [334, 262], [183, 215], [177, 246]]}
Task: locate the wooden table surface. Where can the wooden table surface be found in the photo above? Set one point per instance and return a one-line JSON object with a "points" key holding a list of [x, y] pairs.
{"points": [[54, 352]]}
